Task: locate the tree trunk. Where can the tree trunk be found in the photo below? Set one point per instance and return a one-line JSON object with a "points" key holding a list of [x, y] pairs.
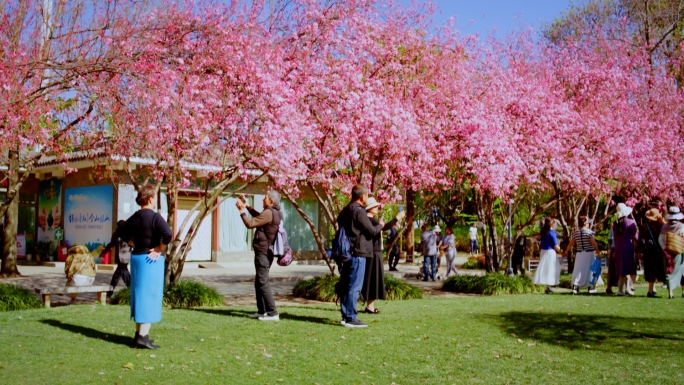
{"points": [[8, 268], [178, 249], [492, 260], [566, 236], [409, 237], [480, 203], [317, 236], [171, 194], [186, 245]]}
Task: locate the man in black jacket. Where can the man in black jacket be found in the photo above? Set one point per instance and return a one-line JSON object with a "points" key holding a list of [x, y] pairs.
{"points": [[361, 232]]}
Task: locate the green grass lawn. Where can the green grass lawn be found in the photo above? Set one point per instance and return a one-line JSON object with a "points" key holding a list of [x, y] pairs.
{"points": [[549, 339]]}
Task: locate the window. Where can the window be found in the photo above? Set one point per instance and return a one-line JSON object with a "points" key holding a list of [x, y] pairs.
{"points": [[233, 235], [299, 234]]}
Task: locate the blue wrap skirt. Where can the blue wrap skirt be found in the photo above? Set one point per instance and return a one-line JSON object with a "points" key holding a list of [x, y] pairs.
{"points": [[147, 288]]}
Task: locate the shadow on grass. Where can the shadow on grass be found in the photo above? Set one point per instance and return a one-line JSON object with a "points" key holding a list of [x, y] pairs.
{"points": [[600, 332], [226, 312], [91, 333]]}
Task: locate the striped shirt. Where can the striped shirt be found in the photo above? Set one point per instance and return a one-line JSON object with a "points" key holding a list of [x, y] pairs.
{"points": [[582, 240]]}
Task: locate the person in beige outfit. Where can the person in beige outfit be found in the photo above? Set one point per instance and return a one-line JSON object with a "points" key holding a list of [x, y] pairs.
{"points": [[79, 268]]}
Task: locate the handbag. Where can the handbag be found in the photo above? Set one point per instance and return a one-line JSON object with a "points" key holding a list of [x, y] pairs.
{"points": [[78, 271], [595, 271], [674, 243]]}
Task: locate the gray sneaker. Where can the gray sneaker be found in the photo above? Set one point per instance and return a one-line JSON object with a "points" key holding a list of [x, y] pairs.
{"points": [[355, 324], [256, 315]]}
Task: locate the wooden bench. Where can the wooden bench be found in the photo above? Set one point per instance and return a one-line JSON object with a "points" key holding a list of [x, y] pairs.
{"points": [[101, 291]]}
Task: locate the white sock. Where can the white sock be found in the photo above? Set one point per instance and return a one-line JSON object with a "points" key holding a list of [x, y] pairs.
{"points": [[144, 329]]}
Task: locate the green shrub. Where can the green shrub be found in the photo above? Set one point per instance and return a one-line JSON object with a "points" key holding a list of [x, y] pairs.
{"points": [[14, 297], [322, 288], [491, 284], [122, 297], [473, 264], [185, 294], [565, 281], [189, 294], [397, 289]]}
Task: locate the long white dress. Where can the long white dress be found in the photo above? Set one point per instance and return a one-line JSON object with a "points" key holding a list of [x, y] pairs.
{"points": [[581, 275], [548, 270]]}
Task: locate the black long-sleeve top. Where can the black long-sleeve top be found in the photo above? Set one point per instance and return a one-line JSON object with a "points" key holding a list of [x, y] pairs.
{"points": [[393, 234], [377, 240], [359, 229], [147, 229]]}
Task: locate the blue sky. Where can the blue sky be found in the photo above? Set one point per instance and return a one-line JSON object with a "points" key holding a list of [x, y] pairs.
{"points": [[481, 16]]}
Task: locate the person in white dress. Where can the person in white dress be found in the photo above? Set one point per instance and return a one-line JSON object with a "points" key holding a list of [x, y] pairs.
{"points": [[587, 249], [549, 268]]}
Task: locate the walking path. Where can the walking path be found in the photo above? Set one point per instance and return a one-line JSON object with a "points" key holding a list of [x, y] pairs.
{"points": [[234, 281]]}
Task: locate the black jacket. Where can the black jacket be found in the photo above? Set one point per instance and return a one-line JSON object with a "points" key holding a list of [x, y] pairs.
{"points": [[393, 234], [359, 229], [377, 240], [266, 224]]}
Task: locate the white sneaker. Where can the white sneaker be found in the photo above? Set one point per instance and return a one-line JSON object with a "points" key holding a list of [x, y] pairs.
{"points": [[592, 291], [269, 318], [256, 315], [630, 292], [355, 324]]}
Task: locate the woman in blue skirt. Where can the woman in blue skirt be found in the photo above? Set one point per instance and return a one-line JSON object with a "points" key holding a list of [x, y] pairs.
{"points": [[149, 234]]}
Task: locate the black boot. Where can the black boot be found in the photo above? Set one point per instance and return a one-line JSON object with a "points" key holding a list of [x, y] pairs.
{"points": [[143, 342], [138, 335]]}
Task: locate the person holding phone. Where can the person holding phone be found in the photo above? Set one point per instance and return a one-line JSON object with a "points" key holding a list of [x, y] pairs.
{"points": [[266, 224], [393, 239]]}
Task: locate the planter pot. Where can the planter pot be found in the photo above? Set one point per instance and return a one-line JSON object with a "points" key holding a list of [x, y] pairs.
{"points": [[29, 257]]}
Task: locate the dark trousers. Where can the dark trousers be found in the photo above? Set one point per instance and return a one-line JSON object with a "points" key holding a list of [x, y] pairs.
{"points": [[121, 272], [430, 261], [393, 259], [612, 270], [262, 285], [518, 263], [351, 282]]}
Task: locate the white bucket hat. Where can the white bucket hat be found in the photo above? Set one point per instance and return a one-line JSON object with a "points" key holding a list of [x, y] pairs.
{"points": [[371, 203], [437, 229], [623, 210], [673, 213]]}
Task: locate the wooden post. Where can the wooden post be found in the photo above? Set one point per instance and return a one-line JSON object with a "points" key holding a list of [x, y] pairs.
{"points": [[102, 297], [46, 300]]}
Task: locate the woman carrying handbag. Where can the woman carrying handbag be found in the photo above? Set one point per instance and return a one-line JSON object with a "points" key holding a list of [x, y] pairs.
{"points": [[671, 239]]}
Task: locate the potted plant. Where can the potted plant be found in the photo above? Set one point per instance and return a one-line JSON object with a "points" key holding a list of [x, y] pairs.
{"points": [[43, 250]]}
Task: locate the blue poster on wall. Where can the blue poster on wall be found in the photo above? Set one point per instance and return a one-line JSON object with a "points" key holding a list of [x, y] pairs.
{"points": [[88, 217]]}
